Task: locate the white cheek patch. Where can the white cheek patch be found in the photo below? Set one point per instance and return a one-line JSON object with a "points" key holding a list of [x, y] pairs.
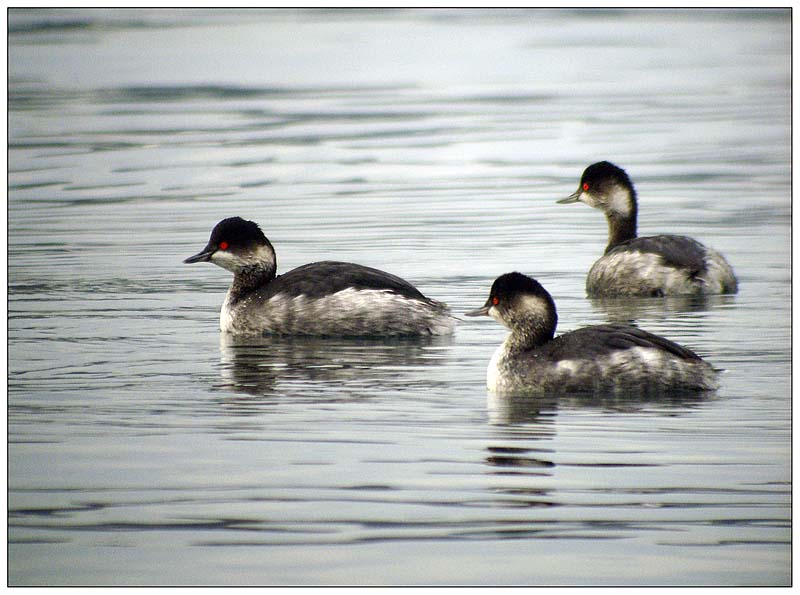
{"points": [[261, 255], [589, 199], [533, 305], [495, 313], [235, 262], [226, 260], [619, 201], [529, 306]]}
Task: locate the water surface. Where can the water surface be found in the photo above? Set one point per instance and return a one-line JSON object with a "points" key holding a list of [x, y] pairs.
{"points": [[146, 449]]}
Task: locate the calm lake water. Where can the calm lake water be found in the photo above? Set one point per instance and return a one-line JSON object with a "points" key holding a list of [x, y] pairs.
{"points": [[143, 448]]}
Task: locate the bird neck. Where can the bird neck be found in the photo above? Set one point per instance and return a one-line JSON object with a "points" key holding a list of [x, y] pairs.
{"points": [[621, 228], [530, 331], [621, 216], [249, 279]]}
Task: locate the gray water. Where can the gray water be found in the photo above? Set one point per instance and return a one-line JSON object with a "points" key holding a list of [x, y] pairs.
{"points": [[143, 448]]}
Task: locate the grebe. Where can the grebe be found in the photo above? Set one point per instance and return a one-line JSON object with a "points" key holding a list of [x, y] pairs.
{"points": [[323, 298], [644, 266], [602, 358]]}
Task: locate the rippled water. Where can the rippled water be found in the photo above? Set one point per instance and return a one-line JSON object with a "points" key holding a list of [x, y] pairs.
{"points": [[146, 449]]}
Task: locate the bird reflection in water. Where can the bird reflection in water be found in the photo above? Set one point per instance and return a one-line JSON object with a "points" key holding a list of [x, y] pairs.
{"points": [[523, 455], [269, 365], [538, 412], [629, 310]]}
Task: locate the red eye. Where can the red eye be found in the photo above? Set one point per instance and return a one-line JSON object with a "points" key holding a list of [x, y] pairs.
{"points": [[495, 300], [223, 245], [585, 186]]}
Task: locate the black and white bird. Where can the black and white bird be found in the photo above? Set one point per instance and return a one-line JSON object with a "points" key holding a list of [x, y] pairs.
{"points": [[323, 298], [644, 266]]}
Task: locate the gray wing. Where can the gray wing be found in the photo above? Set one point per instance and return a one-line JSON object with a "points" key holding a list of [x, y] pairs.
{"points": [[677, 251], [592, 341], [323, 278]]}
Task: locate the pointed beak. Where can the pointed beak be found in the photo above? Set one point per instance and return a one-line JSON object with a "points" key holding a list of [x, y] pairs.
{"points": [[203, 256], [479, 312], [574, 197]]}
